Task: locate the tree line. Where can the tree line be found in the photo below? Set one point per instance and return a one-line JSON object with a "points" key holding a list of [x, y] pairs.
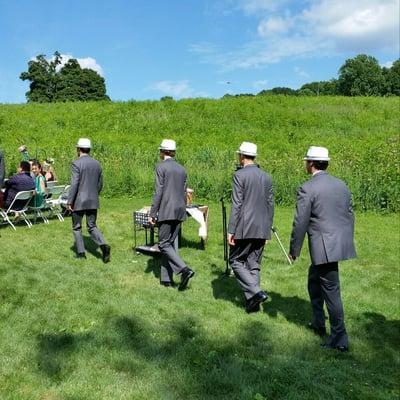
{"points": [[53, 81], [358, 76]]}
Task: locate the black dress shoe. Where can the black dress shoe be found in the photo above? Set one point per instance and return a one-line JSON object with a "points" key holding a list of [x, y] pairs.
{"points": [[167, 284], [106, 250], [320, 331], [254, 309], [255, 301], [80, 255], [186, 274], [342, 349]]}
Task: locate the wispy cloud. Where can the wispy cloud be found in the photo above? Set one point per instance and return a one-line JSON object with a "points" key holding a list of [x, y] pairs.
{"points": [[318, 27], [261, 84], [177, 89], [300, 72]]}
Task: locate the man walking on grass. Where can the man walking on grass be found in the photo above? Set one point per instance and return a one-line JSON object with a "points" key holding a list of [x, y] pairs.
{"points": [[250, 224], [169, 210], [83, 198], [325, 212]]}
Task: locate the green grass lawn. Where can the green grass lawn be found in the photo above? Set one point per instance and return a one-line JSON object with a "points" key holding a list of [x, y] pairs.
{"points": [[78, 329]]}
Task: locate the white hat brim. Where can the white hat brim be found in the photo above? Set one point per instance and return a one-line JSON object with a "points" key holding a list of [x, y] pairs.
{"points": [[316, 158]]}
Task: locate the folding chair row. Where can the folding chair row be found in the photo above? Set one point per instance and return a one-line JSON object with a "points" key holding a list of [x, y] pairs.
{"points": [[23, 203]]}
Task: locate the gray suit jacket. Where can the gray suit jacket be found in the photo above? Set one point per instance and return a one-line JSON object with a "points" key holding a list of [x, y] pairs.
{"points": [[169, 200], [325, 212], [86, 184], [252, 210], [2, 169]]}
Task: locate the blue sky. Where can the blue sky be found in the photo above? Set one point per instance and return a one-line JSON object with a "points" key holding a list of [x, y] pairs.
{"points": [[146, 49]]}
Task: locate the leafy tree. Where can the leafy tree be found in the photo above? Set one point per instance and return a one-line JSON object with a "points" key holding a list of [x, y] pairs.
{"points": [[50, 83], [278, 90], [392, 79], [361, 76], [321, 88]]}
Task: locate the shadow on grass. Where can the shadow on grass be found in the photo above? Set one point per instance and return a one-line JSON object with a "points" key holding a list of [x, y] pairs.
{"points": [[153, 266], [226, 288], [191, 244], [189, 363], [54, 351], [293, 308], [382, 334], [90, 246]]}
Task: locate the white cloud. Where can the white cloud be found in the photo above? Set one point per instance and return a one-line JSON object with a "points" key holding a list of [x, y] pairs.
{"points": [[257, 6], [173, 88], [261, 84], [387, 64], [273, 25], [318, 27], [301, 72], [87, 62], [355, 25]]}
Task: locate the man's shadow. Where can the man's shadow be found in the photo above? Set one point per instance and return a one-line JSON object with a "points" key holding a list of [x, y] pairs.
{"points": [[90, 246], [293, 308], [226, 288], [153, 266]]}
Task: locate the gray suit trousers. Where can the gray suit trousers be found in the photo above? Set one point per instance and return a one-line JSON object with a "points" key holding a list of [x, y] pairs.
{"points": [[95, 234], [324, 287], [245, 261], [171, 261]]}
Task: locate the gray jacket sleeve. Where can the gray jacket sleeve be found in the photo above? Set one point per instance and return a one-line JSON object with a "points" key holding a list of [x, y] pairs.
{"points": [[158, 192], [270, 204], [74, 184], [100, 183], [301, 221], [2, 168], [237, 201]]}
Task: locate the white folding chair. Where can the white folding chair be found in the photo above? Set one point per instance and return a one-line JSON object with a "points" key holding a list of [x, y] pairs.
{"points": [[57, 199], [51, 184], [38, 209], [25, 197]]}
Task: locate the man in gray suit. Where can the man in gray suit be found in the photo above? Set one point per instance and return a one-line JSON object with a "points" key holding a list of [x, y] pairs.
{"points": [[83, 198], [250, 224], [169, 210], [325, 212]]}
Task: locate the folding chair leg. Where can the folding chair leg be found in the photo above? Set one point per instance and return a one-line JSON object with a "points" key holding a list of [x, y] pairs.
{"points": [[5, 216], [24, 216]]}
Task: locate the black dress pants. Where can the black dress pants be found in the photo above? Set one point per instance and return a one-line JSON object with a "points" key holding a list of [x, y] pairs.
{"points": [[171, 262], [324, 287], [245, 261]]}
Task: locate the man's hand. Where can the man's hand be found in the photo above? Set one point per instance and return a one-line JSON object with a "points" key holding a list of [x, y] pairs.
{"points": [[231, 239], [292, 257], [69, 208], [152, 221]]}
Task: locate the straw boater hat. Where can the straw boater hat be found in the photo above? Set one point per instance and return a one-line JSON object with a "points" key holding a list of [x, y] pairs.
{"points": [[247, 149], [84, 143], [168, 144], [316, 153]]}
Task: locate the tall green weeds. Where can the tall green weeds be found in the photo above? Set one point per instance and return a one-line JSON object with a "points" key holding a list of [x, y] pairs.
{"points": [[362, 135]]}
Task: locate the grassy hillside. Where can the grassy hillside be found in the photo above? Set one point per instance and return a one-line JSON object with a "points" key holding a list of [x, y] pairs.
{"points": [[361, 134]]}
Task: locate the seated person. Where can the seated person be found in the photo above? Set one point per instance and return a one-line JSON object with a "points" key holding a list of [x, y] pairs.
{"points": [[20, 182], [40, 184], [48, 171]]}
